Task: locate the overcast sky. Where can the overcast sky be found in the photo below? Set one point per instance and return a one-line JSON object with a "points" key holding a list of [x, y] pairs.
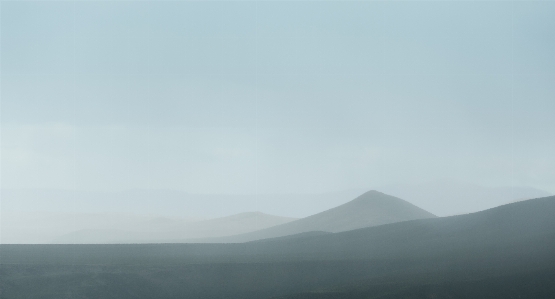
{"points": [[266, 97]]}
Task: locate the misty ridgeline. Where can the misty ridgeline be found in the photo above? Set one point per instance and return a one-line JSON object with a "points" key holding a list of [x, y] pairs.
{"points": [[373, 246]]}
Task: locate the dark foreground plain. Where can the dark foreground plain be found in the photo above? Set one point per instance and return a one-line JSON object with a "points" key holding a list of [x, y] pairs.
{"points": [[505, 252]]}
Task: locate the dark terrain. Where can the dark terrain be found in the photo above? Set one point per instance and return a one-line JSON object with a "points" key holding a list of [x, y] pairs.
{"points": [[505, 252]]}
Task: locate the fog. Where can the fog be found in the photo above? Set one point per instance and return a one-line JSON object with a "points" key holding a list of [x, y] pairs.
{"points": [[287, 149], [40, 216], [198, 110]]}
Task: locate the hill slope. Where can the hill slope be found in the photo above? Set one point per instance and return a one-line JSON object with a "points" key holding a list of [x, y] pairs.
{"points": [[369, 209]]}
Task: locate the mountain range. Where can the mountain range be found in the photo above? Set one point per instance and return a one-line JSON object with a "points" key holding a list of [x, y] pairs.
{"points": [[503, 252], [38, 216], [372, 208], [369, 209]]}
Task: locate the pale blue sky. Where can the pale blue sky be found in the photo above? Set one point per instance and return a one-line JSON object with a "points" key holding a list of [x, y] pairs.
{"points": [[276, 96]]}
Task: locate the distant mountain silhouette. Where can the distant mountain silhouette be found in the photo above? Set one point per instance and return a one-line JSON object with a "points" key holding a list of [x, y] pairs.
{"points": [[218, 227], [369, 209], [37, 216], [525, 229], [495, 253]]}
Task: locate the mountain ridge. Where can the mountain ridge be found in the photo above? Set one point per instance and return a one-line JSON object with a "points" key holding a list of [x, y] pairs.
{"points": [[372, 208]]}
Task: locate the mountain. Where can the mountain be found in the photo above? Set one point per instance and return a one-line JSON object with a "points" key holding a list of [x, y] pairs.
{"points": [[369, 209], [504, 252], [524, 227], [448, 198], [161, 230], [37, 216]]}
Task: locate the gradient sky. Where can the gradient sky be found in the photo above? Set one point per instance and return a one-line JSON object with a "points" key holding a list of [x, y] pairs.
{"points": [[276, 96]]}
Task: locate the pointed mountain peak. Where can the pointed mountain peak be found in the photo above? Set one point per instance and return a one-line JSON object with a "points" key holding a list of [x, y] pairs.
{"points": [[376, 200], [372, 194], [372, 208]]}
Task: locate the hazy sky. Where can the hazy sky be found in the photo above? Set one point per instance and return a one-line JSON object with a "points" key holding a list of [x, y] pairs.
{"points": [[281, 96]]}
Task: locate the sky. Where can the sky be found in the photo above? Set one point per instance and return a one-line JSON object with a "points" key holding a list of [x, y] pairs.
{"points": [[246, 97]]}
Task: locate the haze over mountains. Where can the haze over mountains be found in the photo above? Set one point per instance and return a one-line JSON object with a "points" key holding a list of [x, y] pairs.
{"points": [[372, 208], [500, 252], [38, 216], [369, 209], [43, 227], [42, 216], [170, 203], [166, 230], [226, 149]]}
